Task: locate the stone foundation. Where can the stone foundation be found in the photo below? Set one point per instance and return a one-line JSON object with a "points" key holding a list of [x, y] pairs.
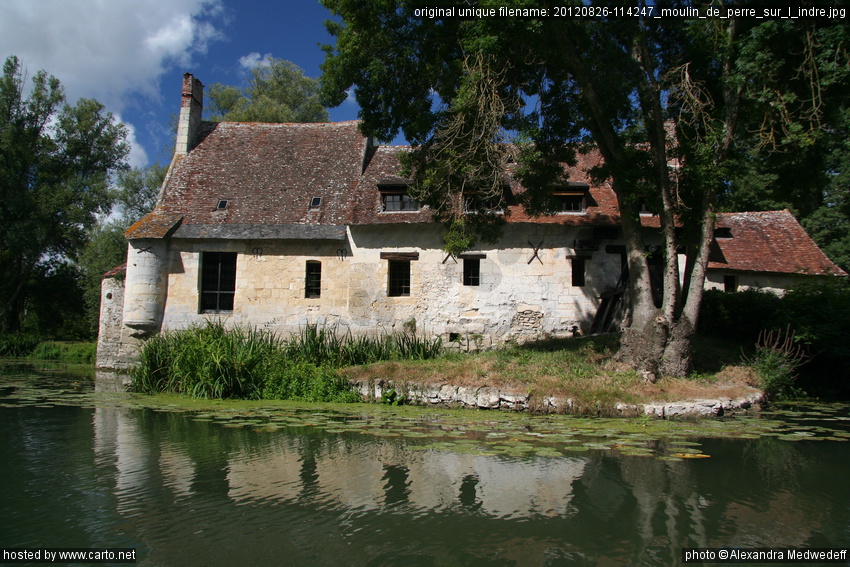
{"points": [[486, 397]]}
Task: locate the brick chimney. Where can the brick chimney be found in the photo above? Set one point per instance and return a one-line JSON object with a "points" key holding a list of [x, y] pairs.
{"points": [[191, 107]]}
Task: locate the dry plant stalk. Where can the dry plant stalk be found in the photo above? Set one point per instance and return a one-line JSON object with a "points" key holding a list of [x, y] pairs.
{"points": [[782, 343]]}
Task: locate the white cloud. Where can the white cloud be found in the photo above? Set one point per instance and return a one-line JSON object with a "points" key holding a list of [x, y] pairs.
{"points": [[138, 156], [111, 50], [254, 59]]}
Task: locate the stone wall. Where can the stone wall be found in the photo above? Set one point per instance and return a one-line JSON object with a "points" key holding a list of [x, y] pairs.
{"points": [[525, 290], [111, 321], [487, 397], [774, 283]]}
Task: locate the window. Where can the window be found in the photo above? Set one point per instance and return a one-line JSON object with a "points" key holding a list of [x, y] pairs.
{"points": [[398, 272], [221, 204], [730, 284], [218, 281], [578, 267], [571, 202], [476, 203], [313, 280], [573, 198], [399, 278], [315, 203], [397, 200], [471, 271]]}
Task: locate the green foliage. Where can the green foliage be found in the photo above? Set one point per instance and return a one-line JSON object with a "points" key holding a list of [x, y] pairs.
{"points": [[390, 397], [55, 166], [307, 382], [739, 316], [819, 313], [829, 225], [48, 350], [277, 91], [206, 362], [215, 362], [135, 195], [136, 192], [17, 345], [776, 361]]}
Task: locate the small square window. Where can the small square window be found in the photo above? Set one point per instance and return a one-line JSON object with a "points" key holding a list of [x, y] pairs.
{"points": [[471, 271], [399, 278], [221, 204], [315, 203], [313, 280]]}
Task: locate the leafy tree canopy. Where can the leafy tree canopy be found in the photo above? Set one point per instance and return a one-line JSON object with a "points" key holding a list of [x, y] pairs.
{"points": [[135, 195], [277, 92], [724, 97], [56, 161]]}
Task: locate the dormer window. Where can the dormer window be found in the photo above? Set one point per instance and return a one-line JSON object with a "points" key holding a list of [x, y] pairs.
{"points": [[221, 204], [644, 208], [571, 199], [315, 203], [477, 203], [394, 199]]}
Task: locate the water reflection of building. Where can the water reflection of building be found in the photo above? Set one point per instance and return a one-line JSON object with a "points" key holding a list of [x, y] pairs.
{"points": [[355, 476], [608, 507]]}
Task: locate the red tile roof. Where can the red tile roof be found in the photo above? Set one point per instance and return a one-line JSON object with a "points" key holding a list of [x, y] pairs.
{"points": [[768, 241], [269, 173]]}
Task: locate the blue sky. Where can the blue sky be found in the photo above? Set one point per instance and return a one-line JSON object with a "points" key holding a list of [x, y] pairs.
{"points": [[131, 54]]}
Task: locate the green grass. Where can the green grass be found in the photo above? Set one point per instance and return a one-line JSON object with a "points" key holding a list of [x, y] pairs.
{"points": [[583, 370], [17, 345], [212, 361]]}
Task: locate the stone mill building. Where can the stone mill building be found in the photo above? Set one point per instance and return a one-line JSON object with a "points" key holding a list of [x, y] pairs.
{"points": [[283, 225]]}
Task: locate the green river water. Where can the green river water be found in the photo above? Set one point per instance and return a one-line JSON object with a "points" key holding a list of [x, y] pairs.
{"points": [[87, 466]]}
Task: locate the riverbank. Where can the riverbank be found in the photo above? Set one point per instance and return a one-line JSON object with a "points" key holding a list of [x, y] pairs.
{"points": [[570, 376]]}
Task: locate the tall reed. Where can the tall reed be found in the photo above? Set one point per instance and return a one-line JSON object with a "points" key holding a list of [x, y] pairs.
{"points": [[212, 361]]}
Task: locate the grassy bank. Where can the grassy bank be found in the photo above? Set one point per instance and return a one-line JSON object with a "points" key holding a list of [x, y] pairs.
{"points": [[580, 369], [22, 345], [319, 365]]}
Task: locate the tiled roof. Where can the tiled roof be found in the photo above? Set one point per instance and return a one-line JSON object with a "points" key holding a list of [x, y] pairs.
{"points": [[769, 241], [267, 173], [270, 173]]}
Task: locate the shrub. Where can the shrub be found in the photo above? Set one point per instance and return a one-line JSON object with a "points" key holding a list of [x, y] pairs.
{"points": [[85, 353], [777, 358], [17, 345], [205, 362], [740, 316], [214, 362], [47, 350], [819, 313], [306, 382]]}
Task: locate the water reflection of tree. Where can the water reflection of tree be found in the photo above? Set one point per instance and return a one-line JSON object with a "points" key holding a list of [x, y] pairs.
{"points": [[778, 462]]}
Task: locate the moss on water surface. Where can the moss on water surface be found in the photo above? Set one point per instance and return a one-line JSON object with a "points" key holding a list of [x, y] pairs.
{"points": [[510, 435]]}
